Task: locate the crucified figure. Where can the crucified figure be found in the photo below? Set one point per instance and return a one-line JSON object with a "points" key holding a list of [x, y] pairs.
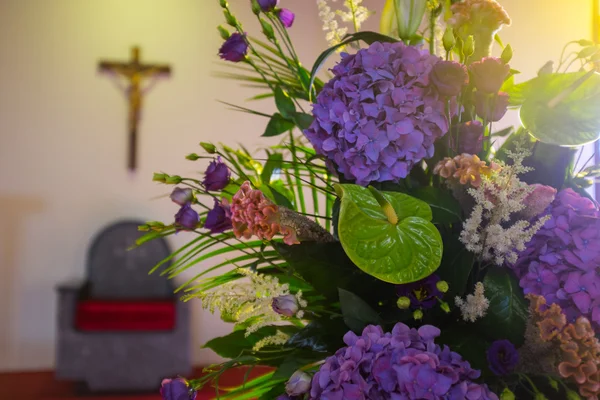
{"points": [[134, 72]]}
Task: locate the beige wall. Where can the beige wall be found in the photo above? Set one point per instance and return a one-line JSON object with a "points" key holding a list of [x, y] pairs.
{"points": [[62, 132]]}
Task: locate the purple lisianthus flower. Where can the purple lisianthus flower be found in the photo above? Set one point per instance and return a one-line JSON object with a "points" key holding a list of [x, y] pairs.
{"points": [[216, 176], [286, 17], [502, 357], [176, 389], [299, 383], [187, 217], [489, 107], [219, 218], [285, 305], [562, 260], [449, 77], [422, 294], [235, 48], [470, 137], [489, 74], [403, 364], [267, 5], [379, 115], [181, 196]]}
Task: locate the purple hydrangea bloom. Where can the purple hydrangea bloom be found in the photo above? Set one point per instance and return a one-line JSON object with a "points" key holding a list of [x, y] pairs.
{"points": [[286, 17], [404, 364], [267, 5], [423, 293], [216, 176], [562, 260], [379, 115], [502, 357], [219, 218], [176, 389], [235, 48], [187, 217]]}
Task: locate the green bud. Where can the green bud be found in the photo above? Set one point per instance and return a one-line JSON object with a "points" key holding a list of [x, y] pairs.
{"points": [[155, 224], [553, 383], [444, 306], [223, 3], [539, 396], [448, 39], [209, 147], [571, 395], [173, 180], [469, 46], [418, 315], [442, 286], [403, 303], [159, 177], [231, 20], [192, 157], [267, 29], [143, 228], [507, 54], [223, 32], [507, 394], [585, 42], [255, 7]]}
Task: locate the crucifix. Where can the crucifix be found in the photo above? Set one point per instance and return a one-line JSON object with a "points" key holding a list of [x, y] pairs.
{"points": [[134, 72]]}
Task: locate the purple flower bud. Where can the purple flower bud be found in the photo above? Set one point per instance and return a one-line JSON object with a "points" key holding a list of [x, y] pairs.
{"points": [[219, 218], [286, 17], [216, 176], [489, 74], [489, 107], [285, 305], [187, 217], [299, 383], [449, 77], [176, 389], [423, 293], [502, 357], [470, 137], [267, 5], [235, 48], [284, 397], [181, 196]]}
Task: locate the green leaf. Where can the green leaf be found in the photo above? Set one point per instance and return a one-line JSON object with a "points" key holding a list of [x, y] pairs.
{"points": [[278, 125], [507, 314], [302, 120], [562, 109], [396, 253], [279, 198], [273, 163], [456, 266], [284, 103], [366, 36], [323, 335], [467, 342], [357, 313], [232, 345], [444, 206]]}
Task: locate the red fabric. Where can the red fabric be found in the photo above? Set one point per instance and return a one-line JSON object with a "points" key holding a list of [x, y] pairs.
{"points": [[101, 315]]}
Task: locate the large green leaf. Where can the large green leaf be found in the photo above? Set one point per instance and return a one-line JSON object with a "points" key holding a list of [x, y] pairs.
{"points": [[324, 335], [456, 266], [561, 109], [278, 125], [444, 206], [397, 253], [284, 103], [357, 313], [507, 314]]}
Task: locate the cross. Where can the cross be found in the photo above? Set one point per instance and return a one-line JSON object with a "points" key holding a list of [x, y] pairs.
{"points": [[134, 72]]}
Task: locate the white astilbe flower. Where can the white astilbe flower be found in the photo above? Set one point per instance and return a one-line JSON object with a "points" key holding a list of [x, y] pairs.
{"points": [[277, 339], [335, 33], [475, 305], [249, 301], [490, 231], [356, 14]]}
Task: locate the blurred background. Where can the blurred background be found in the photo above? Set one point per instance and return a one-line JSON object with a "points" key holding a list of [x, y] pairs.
{"points": [[63, 132]]}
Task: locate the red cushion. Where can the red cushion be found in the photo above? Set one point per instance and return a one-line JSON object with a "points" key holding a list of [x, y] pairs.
{"points": [[104, 315]]}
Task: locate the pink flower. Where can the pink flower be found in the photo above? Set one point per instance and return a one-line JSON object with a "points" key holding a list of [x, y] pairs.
{"points": [[489, 107], [489, 74], [449, 77], [252, 214]]}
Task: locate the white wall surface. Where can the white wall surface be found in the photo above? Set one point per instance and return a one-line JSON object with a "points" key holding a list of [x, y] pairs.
{"points": [[63, 139]]}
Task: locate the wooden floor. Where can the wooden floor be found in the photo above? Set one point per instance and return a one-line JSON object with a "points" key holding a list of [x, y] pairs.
{"points": [[42, 386]]}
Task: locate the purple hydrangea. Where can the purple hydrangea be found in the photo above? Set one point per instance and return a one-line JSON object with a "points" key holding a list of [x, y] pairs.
{"points": [[562, 260], [404, 364], [379, 115]]}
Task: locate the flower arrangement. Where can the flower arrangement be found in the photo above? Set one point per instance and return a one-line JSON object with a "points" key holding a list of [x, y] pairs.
{"points": [[393, 244]]}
